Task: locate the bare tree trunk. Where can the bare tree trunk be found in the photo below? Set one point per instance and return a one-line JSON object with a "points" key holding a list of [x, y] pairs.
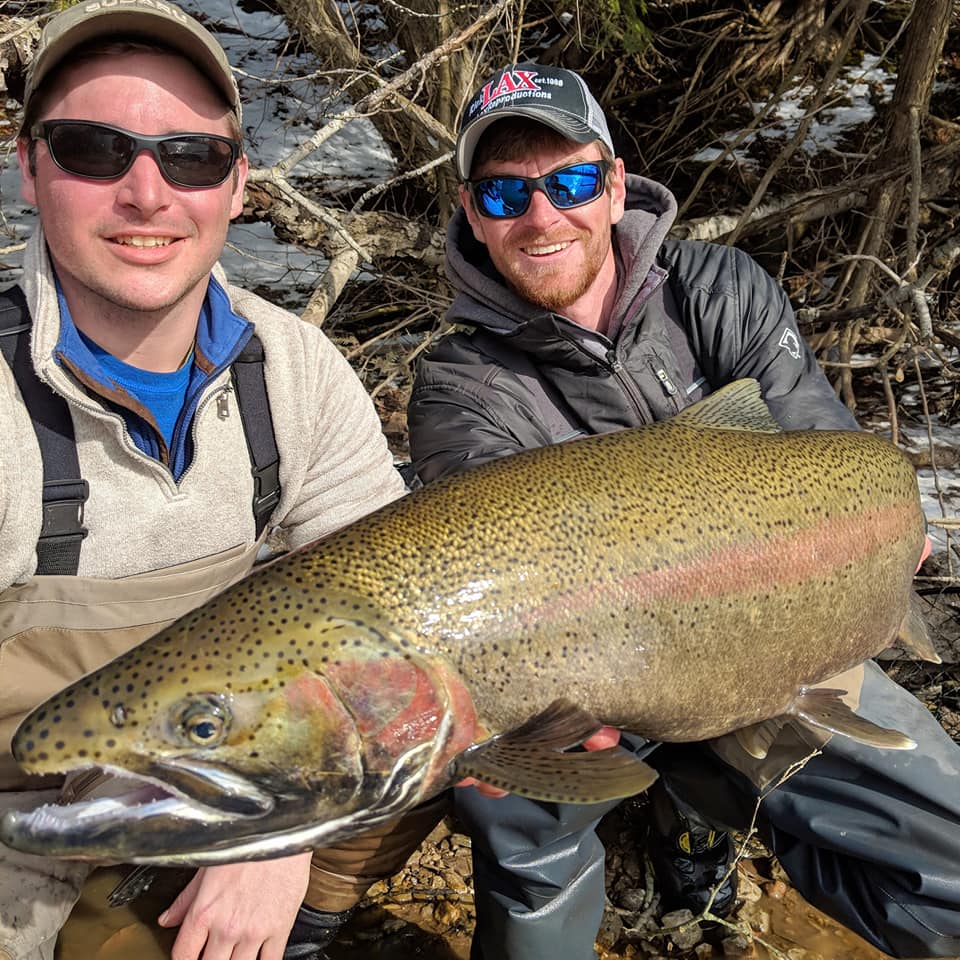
{"points": [[421, 25], [321, 28], [923, 46]]}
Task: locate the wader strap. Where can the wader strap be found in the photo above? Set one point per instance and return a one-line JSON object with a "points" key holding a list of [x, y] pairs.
{"points": [[554, 412], [64, 490], [251, 386]]}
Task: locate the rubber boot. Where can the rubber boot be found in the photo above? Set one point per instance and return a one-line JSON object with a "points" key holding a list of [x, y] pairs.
{"points": [[690, 857], [313, 930]]}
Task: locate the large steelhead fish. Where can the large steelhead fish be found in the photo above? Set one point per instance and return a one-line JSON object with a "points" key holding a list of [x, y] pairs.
{"points": [[681, 580]]}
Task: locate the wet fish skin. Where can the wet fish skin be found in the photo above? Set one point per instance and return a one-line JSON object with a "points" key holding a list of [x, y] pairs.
{"points": [[680, 580]]}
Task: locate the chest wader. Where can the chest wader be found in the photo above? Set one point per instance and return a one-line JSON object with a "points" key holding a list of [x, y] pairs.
{"points": [[58, 626]]}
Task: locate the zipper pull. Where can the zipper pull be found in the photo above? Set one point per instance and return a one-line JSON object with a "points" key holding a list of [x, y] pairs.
{"points": [[614, 360], [666, 382], [223, 403]]}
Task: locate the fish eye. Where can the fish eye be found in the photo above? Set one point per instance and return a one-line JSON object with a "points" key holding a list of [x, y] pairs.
{"points": [[203, 722], [204, 729]]}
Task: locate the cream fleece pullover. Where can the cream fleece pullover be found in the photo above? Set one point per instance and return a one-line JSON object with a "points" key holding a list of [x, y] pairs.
{"points": [[334, 462]]}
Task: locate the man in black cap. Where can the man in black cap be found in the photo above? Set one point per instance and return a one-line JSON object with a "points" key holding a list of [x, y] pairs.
{"points": [[586, 318]]}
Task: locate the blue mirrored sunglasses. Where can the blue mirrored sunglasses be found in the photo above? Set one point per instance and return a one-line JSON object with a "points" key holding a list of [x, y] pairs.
{"points": [[573, 186]]}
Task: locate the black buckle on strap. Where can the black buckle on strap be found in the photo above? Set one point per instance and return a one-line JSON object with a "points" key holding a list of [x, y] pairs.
{"points": [[266, 487], [63, 504]]}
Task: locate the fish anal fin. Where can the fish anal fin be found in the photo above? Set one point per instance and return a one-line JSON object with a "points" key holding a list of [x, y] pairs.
{"points": [[735, 406], [914, 634], [530, 760], [823, 709]]}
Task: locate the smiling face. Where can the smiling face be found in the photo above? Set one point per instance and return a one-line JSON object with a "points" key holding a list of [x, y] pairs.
{"points": [[561, 260], [138, 246]]}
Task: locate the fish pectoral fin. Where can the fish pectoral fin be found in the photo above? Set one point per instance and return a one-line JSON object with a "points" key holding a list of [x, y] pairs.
{"points": [[563, 724], [822, 708], [530, 760], [553, 776], [914, 635]]}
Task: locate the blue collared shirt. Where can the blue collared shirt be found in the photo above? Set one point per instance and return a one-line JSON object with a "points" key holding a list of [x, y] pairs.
{"points": [[221, 335]]}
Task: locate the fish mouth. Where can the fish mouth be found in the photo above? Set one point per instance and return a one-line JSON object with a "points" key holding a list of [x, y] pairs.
{"points": [[158, 818], [207, 786], [186, 798]]}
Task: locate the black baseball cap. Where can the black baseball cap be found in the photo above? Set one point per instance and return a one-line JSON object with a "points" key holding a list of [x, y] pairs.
{"points": [[550, 95]]}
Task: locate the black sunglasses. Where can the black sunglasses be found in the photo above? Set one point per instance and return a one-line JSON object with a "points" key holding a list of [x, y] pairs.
{"points": [[573, 186], [101, 152]]}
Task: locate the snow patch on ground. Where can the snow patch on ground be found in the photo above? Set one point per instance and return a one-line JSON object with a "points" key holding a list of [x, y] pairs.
{"points": [[860, 86]]}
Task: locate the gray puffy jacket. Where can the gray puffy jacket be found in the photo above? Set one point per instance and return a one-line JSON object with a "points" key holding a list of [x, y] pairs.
{"points": [[690, 317]]}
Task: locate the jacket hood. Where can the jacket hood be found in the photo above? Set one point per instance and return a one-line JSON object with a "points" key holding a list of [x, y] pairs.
{"points": [[484, 300]]}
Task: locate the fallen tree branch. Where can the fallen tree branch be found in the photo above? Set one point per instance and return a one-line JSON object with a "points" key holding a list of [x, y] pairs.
{"points": [[390, 91], [376, 234], [326, 293], [392, 236]]}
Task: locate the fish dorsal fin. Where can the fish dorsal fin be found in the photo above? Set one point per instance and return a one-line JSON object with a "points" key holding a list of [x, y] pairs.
{"points": [[914, 635], [530, 760], [822, 708], [736, 406]]}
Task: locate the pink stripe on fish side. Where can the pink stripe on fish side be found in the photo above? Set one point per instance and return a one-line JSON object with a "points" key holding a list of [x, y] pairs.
{"points": [[815, 551]]}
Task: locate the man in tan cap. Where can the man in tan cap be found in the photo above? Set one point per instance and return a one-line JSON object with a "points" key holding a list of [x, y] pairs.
{"points": [[158, 423]]}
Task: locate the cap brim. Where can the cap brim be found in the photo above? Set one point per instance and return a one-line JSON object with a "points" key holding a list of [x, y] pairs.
{"points": [[570, 127]]}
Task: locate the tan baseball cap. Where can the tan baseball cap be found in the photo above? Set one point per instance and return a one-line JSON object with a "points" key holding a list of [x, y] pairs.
{"points": [[154, 20]]}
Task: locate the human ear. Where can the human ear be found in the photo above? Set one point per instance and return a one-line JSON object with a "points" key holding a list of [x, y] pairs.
{"points": [[618, 191], [240, 173], [26, 157]]}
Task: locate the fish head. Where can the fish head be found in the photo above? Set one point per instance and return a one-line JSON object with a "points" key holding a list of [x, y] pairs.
{"points": [[261, 744]]}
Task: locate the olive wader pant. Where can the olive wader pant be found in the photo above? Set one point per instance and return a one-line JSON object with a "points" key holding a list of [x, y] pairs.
{"points": [[55, 629], [870, 837]]}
